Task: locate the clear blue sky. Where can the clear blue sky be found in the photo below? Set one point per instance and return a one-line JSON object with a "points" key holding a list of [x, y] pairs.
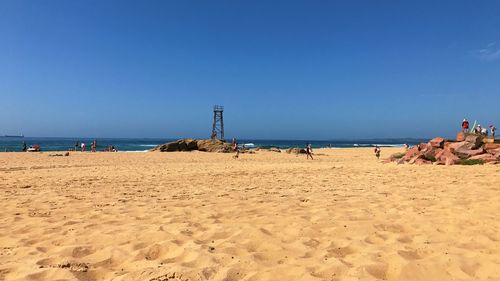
{"points": [[282, 69]]}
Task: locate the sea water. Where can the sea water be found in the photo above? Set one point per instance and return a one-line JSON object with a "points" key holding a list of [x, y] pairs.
{"points": [[137, 144]]}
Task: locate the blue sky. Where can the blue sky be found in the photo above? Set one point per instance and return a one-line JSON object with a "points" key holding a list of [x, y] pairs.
{"points": [[282, 69]]}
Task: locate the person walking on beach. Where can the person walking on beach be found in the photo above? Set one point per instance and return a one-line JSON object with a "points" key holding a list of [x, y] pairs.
{"points": [[309, 152], [234, 147], [77, 145], [492, 130], [24, 146], [93, 146], [83, 147], [465, 125], [377, 151]]}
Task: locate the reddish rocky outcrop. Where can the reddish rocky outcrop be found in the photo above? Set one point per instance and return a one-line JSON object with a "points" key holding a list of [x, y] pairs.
{"points": [[441, 151]]}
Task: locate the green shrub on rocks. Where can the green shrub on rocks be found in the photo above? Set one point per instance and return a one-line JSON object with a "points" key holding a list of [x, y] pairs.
{"points": [[470, 162]]}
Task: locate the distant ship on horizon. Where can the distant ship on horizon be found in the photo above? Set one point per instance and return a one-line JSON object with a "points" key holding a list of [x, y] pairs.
{"points": [[14, 136]]}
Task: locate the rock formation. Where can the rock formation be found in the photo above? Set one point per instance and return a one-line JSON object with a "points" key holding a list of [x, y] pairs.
{"points": [[209, 145], [465, 149], [296, 150]]}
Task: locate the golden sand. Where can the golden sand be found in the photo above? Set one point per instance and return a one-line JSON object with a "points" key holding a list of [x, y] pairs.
{"points": [[265, 216]]}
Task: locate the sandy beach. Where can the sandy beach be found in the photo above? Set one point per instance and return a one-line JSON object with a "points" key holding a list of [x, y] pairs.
{"points": [[264, 216]]}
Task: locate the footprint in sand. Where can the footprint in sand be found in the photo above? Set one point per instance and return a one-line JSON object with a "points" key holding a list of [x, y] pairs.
{"points": [[79, 252], [340, 252], [410, 255], [378, 271]]}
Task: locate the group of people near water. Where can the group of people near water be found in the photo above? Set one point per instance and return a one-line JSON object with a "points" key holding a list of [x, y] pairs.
{"points": [[307, 149], [478, 129], [32, 148], [93, 147]]}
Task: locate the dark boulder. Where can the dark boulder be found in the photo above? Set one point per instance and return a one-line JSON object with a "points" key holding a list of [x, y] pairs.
{"points": [[475, 140], [191, 144], [296, 150]]}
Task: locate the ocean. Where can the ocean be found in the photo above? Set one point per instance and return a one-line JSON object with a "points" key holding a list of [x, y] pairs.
{"points": [[12, 144]]}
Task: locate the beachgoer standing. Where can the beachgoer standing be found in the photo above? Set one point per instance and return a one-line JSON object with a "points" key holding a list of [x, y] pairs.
{"points": [[93, 146], [477, 130], [377, 151], [492, 130], [234, 144], [83, 147], [465, 125], [77, 145], [484, 132], [406, 146], [309, 152], [24, 146]]}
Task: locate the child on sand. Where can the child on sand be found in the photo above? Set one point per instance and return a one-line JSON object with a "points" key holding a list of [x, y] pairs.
{"points": [[237, 153], [377, 152], [309, 151]]}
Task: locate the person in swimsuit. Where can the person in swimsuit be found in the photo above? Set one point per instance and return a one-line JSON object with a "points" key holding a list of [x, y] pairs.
{"points": [[93, 146], [377, 152], [309, 151]]}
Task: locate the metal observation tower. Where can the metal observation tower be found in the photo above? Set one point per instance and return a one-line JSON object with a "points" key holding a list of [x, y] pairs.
{"points": [[218, 125]]}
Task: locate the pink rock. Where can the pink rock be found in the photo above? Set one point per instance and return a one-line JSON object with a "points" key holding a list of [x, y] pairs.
{"points": [[410, 153], [488, 140], [461, 136], [495, 152], [439, 153], [421, 161], [449, 162], [467, 153], [460, 145], [425, 147], [491, 146], [485, 157], [447, 157], [476, 141], [415, 158], [437, 142], [431, 153]]}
